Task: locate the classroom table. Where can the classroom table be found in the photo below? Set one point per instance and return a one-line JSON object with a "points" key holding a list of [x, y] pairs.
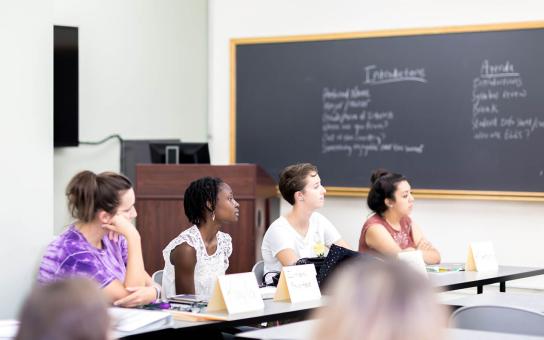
{"points": [[273, 310], [446, 281], [467, 279], [302, 330], [532, 301]]}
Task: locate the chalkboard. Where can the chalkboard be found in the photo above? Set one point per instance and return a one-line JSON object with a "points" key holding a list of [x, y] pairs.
{"points": [[459, 110]]}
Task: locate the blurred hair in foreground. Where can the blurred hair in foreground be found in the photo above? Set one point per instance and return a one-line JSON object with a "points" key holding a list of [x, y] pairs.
{"points": [[380, 300], [71, 309]]}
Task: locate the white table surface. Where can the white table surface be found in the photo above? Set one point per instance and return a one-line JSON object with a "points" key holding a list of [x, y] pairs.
{"points": [[271, 309], [468, 279], [533, 301], [302, 331]]}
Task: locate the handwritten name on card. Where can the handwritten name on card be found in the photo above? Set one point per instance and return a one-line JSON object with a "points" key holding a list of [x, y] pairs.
{"points": [[237, 293], [298, 284], [481, 257]]}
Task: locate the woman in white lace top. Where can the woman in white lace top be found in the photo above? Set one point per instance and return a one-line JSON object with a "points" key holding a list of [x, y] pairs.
{"points": [[195, 258]]}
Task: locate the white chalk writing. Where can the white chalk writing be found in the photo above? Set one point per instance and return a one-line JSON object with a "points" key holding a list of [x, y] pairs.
{"points": [[497, 84], [350, 126], [376, 76]]}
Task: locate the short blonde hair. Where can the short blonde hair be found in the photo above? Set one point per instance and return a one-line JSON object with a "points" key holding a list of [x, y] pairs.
{"points": [[381, 300]]}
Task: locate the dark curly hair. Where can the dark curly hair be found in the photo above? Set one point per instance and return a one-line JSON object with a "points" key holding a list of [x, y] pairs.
{"points": [[384, 185], [198, 195]]}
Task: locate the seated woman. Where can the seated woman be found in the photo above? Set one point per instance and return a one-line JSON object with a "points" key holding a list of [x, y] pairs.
{"points": [[102, 244], [390, 230], [197, 256], [380, 300], [302, 232], [65, 310]]}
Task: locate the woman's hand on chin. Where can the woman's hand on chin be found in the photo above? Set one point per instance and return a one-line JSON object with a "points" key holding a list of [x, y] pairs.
{"points": [[120, 225]]}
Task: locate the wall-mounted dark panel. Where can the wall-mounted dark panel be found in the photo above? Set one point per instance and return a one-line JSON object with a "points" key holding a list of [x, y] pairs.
{"points": [[66, 87]]}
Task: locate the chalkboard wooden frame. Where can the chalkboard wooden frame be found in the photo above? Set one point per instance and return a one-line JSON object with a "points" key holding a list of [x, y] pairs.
{"points": [[362, 191]]}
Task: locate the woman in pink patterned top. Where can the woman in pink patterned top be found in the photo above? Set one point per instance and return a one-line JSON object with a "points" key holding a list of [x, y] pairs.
{"points": [[390, 230], [102, 244]]}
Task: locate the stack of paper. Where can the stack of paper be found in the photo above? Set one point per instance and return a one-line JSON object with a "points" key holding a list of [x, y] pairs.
{"points": [[128, 319], [8, 329]]}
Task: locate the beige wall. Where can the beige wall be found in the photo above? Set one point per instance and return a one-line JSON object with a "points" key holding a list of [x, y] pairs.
{"points": [[142, 75], [26, 144]]}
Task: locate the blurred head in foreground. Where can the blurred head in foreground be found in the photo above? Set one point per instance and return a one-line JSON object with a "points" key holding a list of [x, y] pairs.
{"points": [[380, 300], [71, 309]]}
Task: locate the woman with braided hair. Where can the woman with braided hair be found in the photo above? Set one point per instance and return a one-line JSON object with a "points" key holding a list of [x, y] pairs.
{"points": [[195, 258]]}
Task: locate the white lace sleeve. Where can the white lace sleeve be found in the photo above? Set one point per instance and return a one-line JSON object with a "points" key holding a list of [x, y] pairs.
{"points": [[208, 266], [228, 247]]}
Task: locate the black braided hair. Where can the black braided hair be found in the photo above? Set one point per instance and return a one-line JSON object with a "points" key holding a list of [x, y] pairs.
{"points": [[199, 193]]}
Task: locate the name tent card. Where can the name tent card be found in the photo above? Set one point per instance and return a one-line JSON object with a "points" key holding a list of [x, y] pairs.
{"points": [[481, 257], [236, 293], [298, 284], [414, 259]]}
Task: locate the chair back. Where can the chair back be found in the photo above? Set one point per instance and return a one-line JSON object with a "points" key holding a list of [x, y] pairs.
{"points": [[258, 270], [157, 277], [501, 319]]}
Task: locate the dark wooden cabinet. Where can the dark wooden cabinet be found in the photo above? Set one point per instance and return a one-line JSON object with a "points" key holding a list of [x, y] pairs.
{"points": [[161, 217]]}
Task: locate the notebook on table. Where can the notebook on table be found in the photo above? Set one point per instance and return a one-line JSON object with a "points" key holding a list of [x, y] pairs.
{"points": [[188, 299], [445, 267]]}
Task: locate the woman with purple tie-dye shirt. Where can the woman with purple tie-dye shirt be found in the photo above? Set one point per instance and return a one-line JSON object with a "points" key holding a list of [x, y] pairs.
{"points": [[102, 244]]}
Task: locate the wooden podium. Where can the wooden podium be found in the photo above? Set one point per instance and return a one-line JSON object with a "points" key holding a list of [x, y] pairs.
{"points": [[161, 217]]}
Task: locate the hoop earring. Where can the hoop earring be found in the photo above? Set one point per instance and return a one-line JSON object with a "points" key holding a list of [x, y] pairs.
{"points": [[213, 215]]}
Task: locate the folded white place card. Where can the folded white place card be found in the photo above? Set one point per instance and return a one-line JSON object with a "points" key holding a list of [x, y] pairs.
{"points": [[414, 259], [237, 293], [298, 284], [481, 257]]}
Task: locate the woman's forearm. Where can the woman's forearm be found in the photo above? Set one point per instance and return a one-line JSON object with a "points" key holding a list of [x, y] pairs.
{"points": [[135, 274]]}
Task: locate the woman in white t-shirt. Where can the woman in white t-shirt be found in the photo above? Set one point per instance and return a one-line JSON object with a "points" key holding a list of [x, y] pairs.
{"points": [[302, 232]]}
